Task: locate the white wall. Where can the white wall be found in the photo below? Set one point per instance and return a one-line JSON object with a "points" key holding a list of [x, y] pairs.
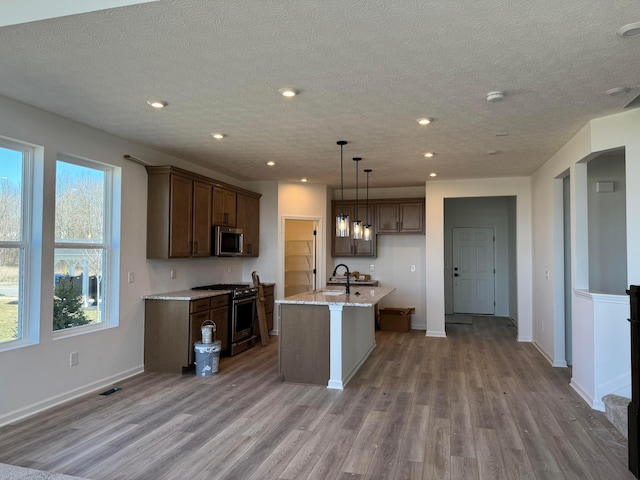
{"points": [[591, 375], [38, 376], [436, 192], [607, 225], [396, 255]]}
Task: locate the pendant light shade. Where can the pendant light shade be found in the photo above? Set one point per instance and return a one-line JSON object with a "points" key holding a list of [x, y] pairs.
{"points": [[357, 223], [366, 229], [342, 220]]}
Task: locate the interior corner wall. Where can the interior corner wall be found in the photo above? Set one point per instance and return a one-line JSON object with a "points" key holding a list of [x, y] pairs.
{"points": [[436, 192], [39, 376]]}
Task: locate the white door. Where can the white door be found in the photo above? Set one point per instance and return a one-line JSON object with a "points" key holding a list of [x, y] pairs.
{"points": [[474, 270]]}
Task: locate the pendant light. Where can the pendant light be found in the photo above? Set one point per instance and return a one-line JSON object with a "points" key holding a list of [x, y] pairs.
{"points": [[342, 220], [367, 226], [357, 224]]}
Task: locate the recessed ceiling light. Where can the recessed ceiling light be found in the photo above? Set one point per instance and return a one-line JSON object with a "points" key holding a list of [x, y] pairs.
{"points": [[157, 103], [502, 134], [271, 163], [424, 120], [429, 154], [493, 152], [495, 96], [288, 92], [303, 180], [630, 30], [618, 91], [218, 136], [433, 174]]}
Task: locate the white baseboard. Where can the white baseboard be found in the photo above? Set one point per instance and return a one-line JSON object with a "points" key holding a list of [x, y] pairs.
{"points": [[43, 405], [585, 396]]}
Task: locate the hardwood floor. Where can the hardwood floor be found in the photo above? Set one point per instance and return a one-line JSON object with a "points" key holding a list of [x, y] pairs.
{"points": [[477, 404]]}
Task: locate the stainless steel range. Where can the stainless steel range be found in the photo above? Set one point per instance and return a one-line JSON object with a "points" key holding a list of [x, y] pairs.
{"points": [[242, 314]]}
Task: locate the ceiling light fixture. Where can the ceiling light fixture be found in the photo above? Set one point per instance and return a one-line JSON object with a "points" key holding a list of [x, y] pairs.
{"points": [[618, 91], [357, 223], [493, 152], [342, 220], [424, 120], [496, 96], [288, 92], [433, 174], [218, 136], [502, 134], [367, 230], [629, 30], [157, 103], [271, 163], [429, 154], [303, 180]]}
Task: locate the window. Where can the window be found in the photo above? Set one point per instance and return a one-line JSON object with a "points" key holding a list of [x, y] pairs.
{"points": [[14, 221], [82, 243]]}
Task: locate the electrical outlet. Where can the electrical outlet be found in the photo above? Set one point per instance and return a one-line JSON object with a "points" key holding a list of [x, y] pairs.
{"points": [[172, 273], [413, 268], [130, 277], [73, 359], [372, 268]]}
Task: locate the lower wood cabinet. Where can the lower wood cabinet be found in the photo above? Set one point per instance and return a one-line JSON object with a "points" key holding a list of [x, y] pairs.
{"points": [[171, 327]]}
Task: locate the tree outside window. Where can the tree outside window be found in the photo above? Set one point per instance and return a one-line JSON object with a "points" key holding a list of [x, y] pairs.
{"points": [[81, 247]]}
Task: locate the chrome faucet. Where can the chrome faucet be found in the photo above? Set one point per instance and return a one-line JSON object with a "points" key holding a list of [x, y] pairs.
{"points": [[348, 275]]}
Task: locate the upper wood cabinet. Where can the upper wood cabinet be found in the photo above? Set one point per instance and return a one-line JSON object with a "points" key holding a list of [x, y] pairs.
{"points": [[248, 219], [400, 216], [181, 208], [347, 246], [178, 213], [224, 207]]}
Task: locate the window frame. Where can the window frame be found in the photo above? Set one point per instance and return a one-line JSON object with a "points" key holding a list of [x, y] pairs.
{"points": [[110, 283], [28, 331]]}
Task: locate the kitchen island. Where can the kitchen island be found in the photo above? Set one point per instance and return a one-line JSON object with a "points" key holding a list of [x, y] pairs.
{"points": [[326, 336]]}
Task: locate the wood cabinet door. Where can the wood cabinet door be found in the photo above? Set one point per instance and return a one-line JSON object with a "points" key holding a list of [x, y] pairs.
{"points": [[195, 332], [201, 219], [224, 207], [249, 208], [181, 217], [220, 316], [411, 218], [387, 217]]}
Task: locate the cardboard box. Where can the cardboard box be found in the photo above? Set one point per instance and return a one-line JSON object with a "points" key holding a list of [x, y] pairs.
{"points": [[396, 319]]}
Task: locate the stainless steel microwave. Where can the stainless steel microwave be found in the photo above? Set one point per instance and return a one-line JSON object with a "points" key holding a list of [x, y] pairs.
{"points": [[227, 242]]}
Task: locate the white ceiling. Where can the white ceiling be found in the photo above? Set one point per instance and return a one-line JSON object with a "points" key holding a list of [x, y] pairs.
{"points": [[366, 70]]}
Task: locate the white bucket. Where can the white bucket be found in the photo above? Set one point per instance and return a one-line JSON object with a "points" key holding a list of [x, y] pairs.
{"points": [[208, 331]]}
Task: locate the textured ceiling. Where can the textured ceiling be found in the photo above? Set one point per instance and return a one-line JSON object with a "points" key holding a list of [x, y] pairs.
{"points": [[366, 70]]}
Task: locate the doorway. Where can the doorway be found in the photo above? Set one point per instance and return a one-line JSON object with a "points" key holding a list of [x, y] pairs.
{"points": [[474, 270], [300, 252]]}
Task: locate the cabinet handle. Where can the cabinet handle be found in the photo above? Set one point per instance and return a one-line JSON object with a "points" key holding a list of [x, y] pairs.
{"points": [[226, 218], [195, 247]]}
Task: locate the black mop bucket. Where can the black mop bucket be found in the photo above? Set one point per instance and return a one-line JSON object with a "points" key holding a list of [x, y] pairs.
{"points": [[207, 358]]}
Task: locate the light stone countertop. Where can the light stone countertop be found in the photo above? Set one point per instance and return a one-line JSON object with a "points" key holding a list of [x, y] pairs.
{"points": [[368, 296], [186, 295]]}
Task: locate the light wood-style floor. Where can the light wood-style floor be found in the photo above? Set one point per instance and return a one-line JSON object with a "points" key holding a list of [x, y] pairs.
{"points": [[474, 405]]}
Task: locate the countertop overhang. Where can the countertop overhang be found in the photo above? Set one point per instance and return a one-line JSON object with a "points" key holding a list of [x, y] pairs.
{"points": [[360, 296]]}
